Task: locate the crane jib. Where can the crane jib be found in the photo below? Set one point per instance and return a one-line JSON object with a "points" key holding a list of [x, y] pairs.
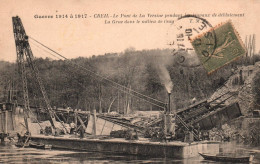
{"points": [[24, 52]]}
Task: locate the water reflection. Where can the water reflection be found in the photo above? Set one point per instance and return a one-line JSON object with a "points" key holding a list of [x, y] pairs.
{"points": [[11, 154]]}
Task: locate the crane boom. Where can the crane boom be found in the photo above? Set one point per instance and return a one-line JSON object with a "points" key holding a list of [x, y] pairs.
{"points": [[23, 51]]}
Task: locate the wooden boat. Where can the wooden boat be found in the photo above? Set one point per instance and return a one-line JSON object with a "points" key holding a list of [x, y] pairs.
{"points": [[227, 158], [39, 145], [36, 145]]}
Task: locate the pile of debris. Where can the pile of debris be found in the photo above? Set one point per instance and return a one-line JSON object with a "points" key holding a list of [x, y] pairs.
{"points": [[140, 119], [223, 133], [241, 82]]}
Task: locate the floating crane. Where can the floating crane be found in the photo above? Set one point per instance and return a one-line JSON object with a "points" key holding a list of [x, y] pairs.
{"points": [[24, 54]]}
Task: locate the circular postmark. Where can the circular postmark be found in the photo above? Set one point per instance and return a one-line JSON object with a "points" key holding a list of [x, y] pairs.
{"points": [[188, 35]]}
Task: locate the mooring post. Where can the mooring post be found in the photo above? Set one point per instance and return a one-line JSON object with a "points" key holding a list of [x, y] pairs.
{"points": [[94, 122]]}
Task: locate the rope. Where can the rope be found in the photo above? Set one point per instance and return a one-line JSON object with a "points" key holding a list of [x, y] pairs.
{"points": [[124, 89]]}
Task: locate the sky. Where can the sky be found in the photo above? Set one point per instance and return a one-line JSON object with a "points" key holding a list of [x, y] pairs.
{"points": [[84, 37]]}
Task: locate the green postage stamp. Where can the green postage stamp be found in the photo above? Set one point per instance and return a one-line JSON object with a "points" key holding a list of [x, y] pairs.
{"points": [[226, 47]]}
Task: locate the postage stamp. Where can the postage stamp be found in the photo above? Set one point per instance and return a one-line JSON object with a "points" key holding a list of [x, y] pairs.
{"points": [[229, 47], [179, 39]]}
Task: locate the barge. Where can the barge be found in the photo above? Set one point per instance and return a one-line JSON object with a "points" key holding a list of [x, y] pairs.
{"points": [[141, 147]]}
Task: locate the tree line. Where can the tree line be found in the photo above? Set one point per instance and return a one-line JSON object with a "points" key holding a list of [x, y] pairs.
{"points": [[70, 85]]}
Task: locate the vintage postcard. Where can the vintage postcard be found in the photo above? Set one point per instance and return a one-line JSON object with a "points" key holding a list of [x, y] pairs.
{"points": [[130, 81]]}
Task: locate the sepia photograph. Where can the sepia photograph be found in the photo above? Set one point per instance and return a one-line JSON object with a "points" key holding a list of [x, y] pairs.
{"points": [[130, 81]]}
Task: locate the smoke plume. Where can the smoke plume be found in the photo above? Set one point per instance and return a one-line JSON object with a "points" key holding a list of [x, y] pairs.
{"points": [[165, 78]]}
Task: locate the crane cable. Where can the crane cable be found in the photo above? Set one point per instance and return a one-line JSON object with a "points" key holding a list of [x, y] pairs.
{"points": [[97, 75], [91, 75], [111, 85]]}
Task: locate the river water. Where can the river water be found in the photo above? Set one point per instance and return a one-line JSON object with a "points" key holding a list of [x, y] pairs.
{"points": [[11, 154]]}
